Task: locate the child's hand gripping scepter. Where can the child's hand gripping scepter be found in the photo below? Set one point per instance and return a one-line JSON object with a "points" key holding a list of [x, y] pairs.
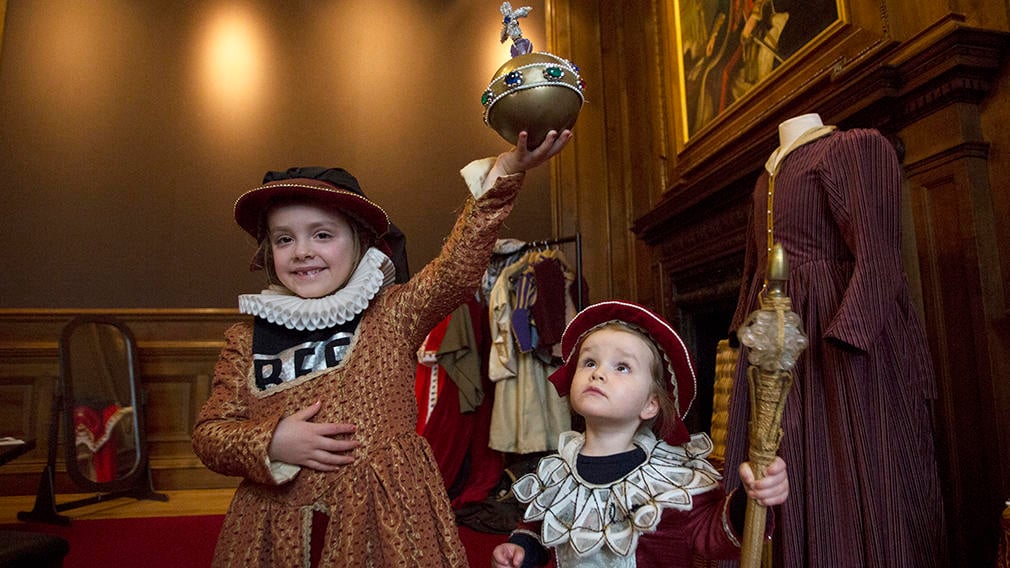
{"points": [[774, 340]]}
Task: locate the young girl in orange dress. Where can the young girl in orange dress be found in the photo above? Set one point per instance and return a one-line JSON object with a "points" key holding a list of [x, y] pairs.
{"points": [[312, 402]]}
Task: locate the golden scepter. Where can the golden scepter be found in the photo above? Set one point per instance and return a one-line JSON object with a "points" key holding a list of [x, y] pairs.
{"points": [[774, 339]]}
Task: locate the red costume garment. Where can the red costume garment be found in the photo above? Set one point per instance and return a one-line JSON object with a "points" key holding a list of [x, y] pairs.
{"points": [[864, 489], [458, 436], [94, 431]]}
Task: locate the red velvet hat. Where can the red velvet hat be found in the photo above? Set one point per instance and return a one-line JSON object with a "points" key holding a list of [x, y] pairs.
{"points": [[678, 372]]}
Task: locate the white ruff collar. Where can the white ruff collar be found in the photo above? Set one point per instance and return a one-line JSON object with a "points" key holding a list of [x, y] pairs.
{"points": [[579, 518], [278, 305]]}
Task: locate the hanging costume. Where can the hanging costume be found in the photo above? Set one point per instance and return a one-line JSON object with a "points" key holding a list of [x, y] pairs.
{"points": [[528, 413], [454, 403], [388, 507], [459, 430], [857, 431], [93, 435]]}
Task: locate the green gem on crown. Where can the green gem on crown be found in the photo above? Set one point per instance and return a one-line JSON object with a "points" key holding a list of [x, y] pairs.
{"points": [[553, 73]]}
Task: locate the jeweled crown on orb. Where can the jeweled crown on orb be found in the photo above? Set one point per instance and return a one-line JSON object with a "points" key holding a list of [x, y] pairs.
{"points": [[534, 91]]}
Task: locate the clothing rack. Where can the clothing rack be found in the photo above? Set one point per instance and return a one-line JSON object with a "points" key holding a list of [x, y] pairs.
{"points": [[577, 239]]}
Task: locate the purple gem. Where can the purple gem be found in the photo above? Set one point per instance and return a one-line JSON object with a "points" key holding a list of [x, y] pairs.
{"points": [[521, 46]]}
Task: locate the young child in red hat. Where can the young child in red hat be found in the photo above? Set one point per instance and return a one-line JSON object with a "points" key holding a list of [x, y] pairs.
{"points": [[313, 400], [635, 489]]}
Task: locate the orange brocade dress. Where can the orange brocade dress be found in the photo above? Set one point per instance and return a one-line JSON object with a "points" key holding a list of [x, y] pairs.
{"points": [[389, 507]]}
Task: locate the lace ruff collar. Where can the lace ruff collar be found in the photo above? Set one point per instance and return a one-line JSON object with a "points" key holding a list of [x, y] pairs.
{"points": [[587, 517], [278, 305]]}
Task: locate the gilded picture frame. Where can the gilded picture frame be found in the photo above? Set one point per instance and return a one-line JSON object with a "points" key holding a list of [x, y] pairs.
{"points": [[724, 50], [3, 18]]}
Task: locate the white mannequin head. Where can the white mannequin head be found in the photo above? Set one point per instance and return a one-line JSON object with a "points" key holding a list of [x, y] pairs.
{"points": [[793, 128]]}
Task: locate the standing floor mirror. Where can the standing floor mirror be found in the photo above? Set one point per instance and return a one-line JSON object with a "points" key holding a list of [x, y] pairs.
{"points": [[101, 406]]}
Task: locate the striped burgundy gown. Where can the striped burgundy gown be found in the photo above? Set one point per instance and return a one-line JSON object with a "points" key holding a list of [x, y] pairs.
{"points": [[858, 439]]}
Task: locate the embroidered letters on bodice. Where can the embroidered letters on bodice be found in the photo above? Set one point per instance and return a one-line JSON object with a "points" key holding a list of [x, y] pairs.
{"points": [[281, 355]]}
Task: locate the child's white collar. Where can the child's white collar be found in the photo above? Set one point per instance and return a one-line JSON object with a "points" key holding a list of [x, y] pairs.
{"points": [[278, 305], [580, 518]]}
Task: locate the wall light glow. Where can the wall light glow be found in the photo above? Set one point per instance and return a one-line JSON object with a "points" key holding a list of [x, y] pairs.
{"points": [[232, 61]]}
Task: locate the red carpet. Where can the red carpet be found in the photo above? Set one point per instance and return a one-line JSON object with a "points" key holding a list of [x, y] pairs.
{"points": [[155, 542], [176, 542]]}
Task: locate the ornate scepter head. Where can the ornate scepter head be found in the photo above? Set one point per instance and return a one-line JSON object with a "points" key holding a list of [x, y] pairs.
{"points": [[773, 334]]}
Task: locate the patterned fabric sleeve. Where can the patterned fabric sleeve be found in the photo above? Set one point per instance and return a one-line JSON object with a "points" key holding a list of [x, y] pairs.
{"points": [[447, 281], [863, 181], [225, 438]]}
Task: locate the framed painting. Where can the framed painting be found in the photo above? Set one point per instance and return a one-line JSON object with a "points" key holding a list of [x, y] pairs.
{"points": [[725, 48]]}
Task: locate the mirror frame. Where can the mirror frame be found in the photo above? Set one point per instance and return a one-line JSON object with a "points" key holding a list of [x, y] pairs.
{"points": [[138, 484], [136, 401]]}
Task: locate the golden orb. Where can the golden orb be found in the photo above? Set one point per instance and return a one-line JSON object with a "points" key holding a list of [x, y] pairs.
{"points": [[535, 92]]}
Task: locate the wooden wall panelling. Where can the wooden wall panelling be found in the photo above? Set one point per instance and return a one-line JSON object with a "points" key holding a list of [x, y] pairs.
{"points": [[616, 163], [29, 369], [701, 260], [612, 196], [996, 126], [579, 173], [16, 394], [950, 199], [948, 71], [177, 350], [638, 150], [177, 378]]}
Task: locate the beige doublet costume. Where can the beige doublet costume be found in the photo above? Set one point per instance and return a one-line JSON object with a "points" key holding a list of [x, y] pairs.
{"points": [[389, 507]]}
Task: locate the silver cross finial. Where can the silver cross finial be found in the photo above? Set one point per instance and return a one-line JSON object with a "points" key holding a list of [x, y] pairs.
{"points": [[510, 21]]}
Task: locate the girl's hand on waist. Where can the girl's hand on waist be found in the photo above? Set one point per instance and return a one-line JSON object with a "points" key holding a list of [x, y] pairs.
{"points": [[323, 447]]}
